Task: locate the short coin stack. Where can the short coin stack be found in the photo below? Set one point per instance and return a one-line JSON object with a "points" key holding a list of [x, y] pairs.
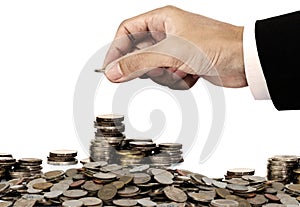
{"points": [[108, 136], [62, 157], [239, 172], [296, 178], [6, 163], [27, 167], [173, 151], [130, 157], [280, 167]]}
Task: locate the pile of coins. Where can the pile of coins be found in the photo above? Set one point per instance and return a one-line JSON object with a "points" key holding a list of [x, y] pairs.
{"points": [[6, 163], [110, 145], [27, 167], [281, 168], [102, 184], [108, 136], [62, 157]]}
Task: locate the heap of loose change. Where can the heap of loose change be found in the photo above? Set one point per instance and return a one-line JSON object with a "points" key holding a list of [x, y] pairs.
{"points": [[102, 184], [111, 145], [62, 157]]}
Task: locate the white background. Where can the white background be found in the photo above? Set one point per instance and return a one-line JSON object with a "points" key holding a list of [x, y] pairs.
{"points": [[45, 44]]}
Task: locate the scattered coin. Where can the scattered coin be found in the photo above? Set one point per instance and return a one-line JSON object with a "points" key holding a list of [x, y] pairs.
{"points": [[75, 193], [175, 194], [125, 202], [72, 203], [91, 201], [107, 192], [224, 203]]}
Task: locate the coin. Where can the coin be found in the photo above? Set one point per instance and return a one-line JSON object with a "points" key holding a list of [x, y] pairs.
{"points": [[53, 194], [107, 192], [293, 188], [272, 197], [238, 188], [5, 203], [3, 187], [119, 184], [63, 153], [240, 171], [53, 174], [224, 203], [146, 202], [129, 191], [104, 176], [42, 186], [205, 197], [110, 118], [76, 193], [175, 194], [72, 203], [141, 178], [126, 178], [125, 202], [91, 186], [163, 179], [77, 183], [23, 202], [257, 200], [59, 187], [222, 192], [91, 201]]}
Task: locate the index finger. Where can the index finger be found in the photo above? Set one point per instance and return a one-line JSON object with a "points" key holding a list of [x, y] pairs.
{"points": [[132, 32]]}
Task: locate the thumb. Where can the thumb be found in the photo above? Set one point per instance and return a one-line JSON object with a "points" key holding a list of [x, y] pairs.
{"points": [[138, 63]]}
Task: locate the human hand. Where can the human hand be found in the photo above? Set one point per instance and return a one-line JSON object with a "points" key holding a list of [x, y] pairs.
{"points": [[174, 48]]}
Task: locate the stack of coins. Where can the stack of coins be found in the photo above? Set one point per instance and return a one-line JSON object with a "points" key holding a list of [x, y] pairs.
{"points": [[27, 167], [147, 148], [173, 151], [280, 167], [296, 176], [108, 137], [130, 157], [62, 157], [6, 163], [239, 172]]}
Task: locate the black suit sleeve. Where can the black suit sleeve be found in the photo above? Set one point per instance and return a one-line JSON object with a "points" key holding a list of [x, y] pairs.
{"points": [[278, 45]]}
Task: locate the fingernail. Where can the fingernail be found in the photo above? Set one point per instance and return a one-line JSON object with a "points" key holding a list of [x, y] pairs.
{"points": [[114, 72], [196, 77]]}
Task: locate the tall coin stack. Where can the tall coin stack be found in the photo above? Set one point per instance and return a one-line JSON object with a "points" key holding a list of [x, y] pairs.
{"points": [[108, 137], [6, 163], [280, 168]]}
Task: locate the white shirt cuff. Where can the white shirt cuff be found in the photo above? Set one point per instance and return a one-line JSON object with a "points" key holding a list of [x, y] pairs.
{"points": [[254, 73]]}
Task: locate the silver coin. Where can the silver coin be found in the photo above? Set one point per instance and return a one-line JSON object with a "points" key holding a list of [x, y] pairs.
{"points": [[91, 201], [224, 203], [125, 202], [72, 203]]}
